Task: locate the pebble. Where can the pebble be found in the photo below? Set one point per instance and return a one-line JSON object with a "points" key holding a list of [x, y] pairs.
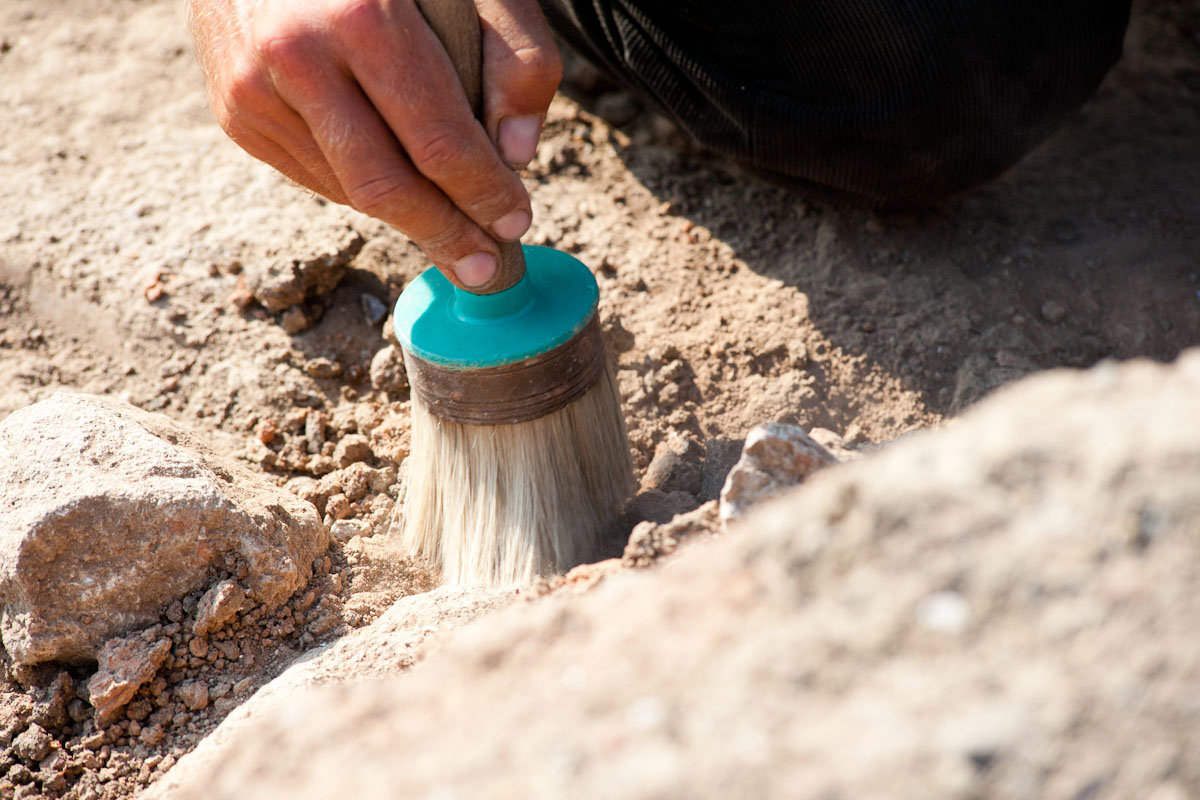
{"points": [[194, 695], [373, 309], [34, 744]]}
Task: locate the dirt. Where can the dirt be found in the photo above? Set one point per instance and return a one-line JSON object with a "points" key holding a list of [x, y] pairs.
{"points": [[143, 256]]}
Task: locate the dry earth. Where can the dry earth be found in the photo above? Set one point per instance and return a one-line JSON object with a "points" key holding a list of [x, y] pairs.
{"points": [[143, 256]]}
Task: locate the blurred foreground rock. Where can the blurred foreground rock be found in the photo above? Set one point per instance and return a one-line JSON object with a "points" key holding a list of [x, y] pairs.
{"points": [[108, 513], [1005, 608]]}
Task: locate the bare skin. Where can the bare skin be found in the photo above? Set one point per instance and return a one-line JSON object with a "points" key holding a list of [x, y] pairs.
{"points": [[357, 101]]}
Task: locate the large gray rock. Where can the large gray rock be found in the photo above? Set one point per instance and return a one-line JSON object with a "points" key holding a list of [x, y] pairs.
{"points": [[108, 513], [1003, 608]]}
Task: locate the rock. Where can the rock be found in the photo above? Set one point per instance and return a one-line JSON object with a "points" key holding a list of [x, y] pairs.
{"points": [[675, 466], [218, 606], [52, 711], [387, 370], [785, 661], [352, 448], [776, 457], [373, 309], [389, 646], [294, 320], [109, 513], [15, 711], [125, 665], [650, 541], [284, 285], [194, 694], [34, 744], [322, 368]]}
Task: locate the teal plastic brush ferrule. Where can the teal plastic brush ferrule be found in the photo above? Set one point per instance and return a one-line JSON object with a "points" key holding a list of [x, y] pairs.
{"points": [[504, 357]]}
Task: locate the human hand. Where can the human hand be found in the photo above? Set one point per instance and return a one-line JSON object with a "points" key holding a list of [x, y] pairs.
{"points": [[358, 101]]}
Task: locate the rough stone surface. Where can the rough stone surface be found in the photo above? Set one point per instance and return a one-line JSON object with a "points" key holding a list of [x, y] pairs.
{"points": [[194, 695], [125, 665], [352, 448], [108, 513], [34, 744], [776, 456], [387, 647], [650, 541], [1004, 608], [675, 466], [286, 284], [218, 605], [387, 370]]}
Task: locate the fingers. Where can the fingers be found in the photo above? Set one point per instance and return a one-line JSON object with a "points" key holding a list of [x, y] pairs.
{"points": [[371, 166], [253, 115], [428, 112], [521, 72]]}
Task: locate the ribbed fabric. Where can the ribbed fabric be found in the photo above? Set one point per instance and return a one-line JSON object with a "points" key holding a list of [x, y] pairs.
{"points": [[896, 101]]}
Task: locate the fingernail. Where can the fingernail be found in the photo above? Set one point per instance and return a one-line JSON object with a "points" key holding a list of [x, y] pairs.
{"points": [[511, 226], [476, 269], [519, 138]]}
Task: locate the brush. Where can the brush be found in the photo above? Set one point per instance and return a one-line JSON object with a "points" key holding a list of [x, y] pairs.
{"points": [[519, 459]]}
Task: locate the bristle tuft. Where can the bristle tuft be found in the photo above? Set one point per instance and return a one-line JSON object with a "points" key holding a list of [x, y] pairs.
{"points": [[500, 505]]}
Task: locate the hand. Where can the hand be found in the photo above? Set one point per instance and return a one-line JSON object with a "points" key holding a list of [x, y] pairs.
{"points": [[358, 101]]}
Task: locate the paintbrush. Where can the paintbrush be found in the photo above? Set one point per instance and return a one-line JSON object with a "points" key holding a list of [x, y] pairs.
{"points": [[519, 460]]}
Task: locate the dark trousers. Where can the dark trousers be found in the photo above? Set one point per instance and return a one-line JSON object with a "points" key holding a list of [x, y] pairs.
{"points": [[896, 101]]}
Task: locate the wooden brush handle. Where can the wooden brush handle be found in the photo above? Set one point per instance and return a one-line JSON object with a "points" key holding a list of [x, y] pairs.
{"points": [[456, 23]]}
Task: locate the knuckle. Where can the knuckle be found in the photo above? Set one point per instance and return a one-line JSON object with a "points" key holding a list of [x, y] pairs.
{"points": [[382, 196], [438, 150], [283, 44], [355, 18], [535, 68], [246, 88]]}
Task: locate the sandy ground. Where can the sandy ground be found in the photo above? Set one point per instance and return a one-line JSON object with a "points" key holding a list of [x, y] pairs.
{"points": [[129, 226]]}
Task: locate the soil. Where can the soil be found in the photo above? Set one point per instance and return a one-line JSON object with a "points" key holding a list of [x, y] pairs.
{"points": [[143, 256]]}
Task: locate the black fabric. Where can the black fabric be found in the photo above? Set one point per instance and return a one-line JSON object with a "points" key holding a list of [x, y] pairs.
{"points": [[896, 101]]}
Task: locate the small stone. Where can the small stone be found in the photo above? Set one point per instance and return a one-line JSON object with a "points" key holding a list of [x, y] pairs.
{"points": [[355, 480], [34, 744], [20, 774], [194, 694], [1053, 312], [343, 530], [387, 370], [352, 448], [138, 710], [151, 735], [321, 465], [294, 320], [338, 507], [217, 607], [266, 434], [675, 466], [125, 664], [322, 368], [776, 457], [373, 309], [198, 646]]}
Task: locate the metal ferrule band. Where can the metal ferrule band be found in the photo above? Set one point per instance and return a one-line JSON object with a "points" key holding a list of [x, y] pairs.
{"points": [[514, 392]]}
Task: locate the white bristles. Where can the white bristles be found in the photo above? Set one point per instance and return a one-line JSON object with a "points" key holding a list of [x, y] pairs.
{"points": [[500, 505]]}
